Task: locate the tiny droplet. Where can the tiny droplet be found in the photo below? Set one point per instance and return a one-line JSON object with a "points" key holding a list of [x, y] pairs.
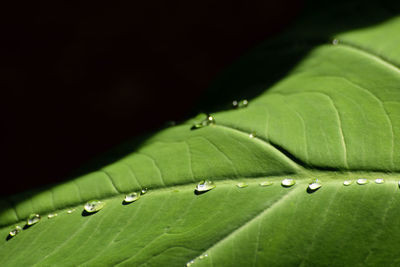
{"points": [[335, 41], [240, 104], [242, 185], [362, 181], [94, 205], [32, 219], [144, 191], [70, 211], [288, 182], [15, 231], [131, 197], [266, 183], [379, 181], [347, 182], [52, 215], [205, 186], [252, 135]]}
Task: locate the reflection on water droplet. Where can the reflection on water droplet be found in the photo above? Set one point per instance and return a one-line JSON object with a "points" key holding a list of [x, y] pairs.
{"points": [[242, 185], [252, 135], [266, 183], [52, 215], [144, 191], [32, 219], [132, 197], [347, 182], [379, 181], [205, 255], [314, 186], [94, 205], [15, 231], [362, 181], [240, 104], [288, 182], [70, 211], [335, 41], [205, 186]]}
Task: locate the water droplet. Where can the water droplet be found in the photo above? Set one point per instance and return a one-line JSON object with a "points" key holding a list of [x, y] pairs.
{"points": [[252, 135], [15, 231], [144, 191], [335, 41], [347, 182], [209, 120], [288, 182], [94, 205], [32, 219], [362, 181], [266, 183], [205, 255], [240, 104], [205, 186], [52, 215], [201, 257], [314, 185], [379, 181], [70, 211], [132, 197], [242, 185]]}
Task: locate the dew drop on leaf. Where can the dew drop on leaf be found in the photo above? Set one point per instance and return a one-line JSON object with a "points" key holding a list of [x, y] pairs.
{"points": [[335, 41], [94, 205], [379, 181], [15, 230], [252, 135], [209, 120], [266, 183], [362, 181], [70, 211], [242, 185], [52, 215], [144, 191], [240, 104], [288, 182], [314, 186], [132, 197], [347, 182], [32, 219], [205, 185]]}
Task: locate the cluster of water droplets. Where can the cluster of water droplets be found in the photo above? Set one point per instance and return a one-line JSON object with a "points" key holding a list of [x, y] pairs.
{"points": [[201, 257]]}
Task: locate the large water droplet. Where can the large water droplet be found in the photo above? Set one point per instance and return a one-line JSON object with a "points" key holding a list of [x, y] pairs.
{"points": [[52, 215], [205, 186], [266, 183], [347, 182], [314, 185], [15, 230], [132, 197], [288, 182], [94, 205], [242, 185], [362, 181], [379, 181], [32, 219], [240, 104], [144, 191]]}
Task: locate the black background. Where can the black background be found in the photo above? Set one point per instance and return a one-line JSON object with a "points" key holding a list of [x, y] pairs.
{"points": [[79, 78]]}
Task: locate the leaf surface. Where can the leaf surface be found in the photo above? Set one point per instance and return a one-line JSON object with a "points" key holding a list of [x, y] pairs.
{"points": [[334, 117]]}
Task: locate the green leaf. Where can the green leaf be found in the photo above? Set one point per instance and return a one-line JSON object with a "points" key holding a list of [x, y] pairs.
{"points": [[334, 117]]}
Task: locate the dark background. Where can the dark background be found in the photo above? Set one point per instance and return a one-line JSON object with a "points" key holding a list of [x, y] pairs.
{"points": [[79, 78]]}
